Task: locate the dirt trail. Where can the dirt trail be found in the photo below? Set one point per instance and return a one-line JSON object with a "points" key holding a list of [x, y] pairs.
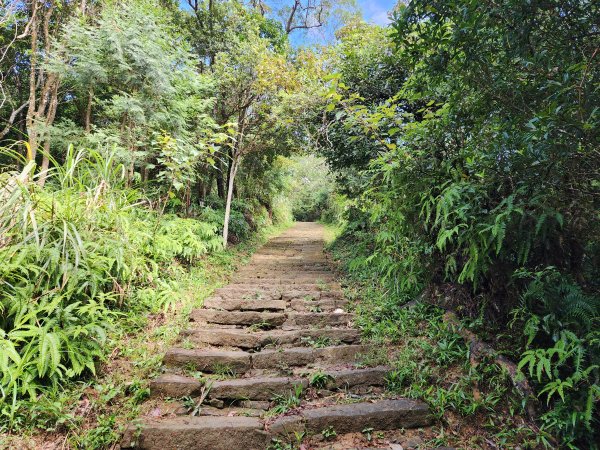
{"points": [[274, 356]]}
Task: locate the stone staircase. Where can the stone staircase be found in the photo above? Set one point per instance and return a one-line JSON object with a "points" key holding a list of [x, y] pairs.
{"points": [[273, 356]]}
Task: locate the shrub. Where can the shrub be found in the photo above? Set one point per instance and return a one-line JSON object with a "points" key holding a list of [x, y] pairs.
{"points": [[71, 256]]}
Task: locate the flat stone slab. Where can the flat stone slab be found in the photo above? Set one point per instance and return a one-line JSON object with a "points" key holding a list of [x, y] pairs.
{"points": [[172, 385], [286, 273], [258, 286], [350, 378], [238, 304], [229, 411], [275, 281], [341, 354], [246, 339], [270, 319], [208, 360], [278, 359], [283, 271], [197, 433], [355, 417], [312, 319], [249, 293], [259, 388], [324, 305], [302, 356]]}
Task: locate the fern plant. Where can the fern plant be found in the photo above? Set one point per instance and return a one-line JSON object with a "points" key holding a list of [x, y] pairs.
{"points": [[72, 257]]}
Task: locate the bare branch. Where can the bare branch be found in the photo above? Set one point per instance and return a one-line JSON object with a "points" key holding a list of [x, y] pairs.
{"points": [[193, 4], [11, 119], [312, 16]]}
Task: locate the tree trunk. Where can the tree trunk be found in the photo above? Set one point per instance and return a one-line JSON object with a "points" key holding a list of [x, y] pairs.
{"points": [[45, 164], [236, 155], [232, 172], [209, 187], [130, 173], [30, 118], [220, 182], [88, 111], [42, 108]]}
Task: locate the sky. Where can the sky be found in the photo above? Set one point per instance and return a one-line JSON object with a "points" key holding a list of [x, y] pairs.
{"points": [[375, 11]]}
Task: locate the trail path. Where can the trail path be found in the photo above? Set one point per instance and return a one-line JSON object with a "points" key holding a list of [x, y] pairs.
{"points": [[282, 320]]}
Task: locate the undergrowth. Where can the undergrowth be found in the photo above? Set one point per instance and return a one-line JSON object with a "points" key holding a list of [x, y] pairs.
{"points": [[114, 282], [473, 404]]}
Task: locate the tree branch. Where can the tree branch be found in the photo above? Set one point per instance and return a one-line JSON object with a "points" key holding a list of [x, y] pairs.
{"points": [[309, 11], [11, 119]]}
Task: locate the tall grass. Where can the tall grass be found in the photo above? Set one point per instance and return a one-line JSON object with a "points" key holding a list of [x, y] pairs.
{"points": [[74, 255]]}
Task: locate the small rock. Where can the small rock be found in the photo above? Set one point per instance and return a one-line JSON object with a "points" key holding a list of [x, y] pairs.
{"points": [[287, 425], [216, 403], [414, 442], [155, 413], [254, 404]]}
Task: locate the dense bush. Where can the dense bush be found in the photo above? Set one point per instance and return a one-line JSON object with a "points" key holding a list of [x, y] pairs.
{"points": [[73, 255], [482, 181]]}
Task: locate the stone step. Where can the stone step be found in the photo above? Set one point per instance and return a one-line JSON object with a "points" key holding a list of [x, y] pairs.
{"points": [[230, 411], [259, 388], [307, 356], [314, 319], [271, 283], [305, 294], [197, 433], [285, 270], [278, 292], [232, 304], [249, 293], [239, 362], [176, 386], [265, 388], [240, 312], [265, 319], [352, 378], [287, 321], [286, 267], [324, 305], [283, 278], [208, 360], [355, 417], [245, 339]]}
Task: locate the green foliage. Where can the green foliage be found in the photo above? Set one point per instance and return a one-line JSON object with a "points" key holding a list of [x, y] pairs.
{"points": [[157, 120], [329, 433], [286, 402], [431, 362], [566, 369], [92, 248], [475, 178], [319, 379]]}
